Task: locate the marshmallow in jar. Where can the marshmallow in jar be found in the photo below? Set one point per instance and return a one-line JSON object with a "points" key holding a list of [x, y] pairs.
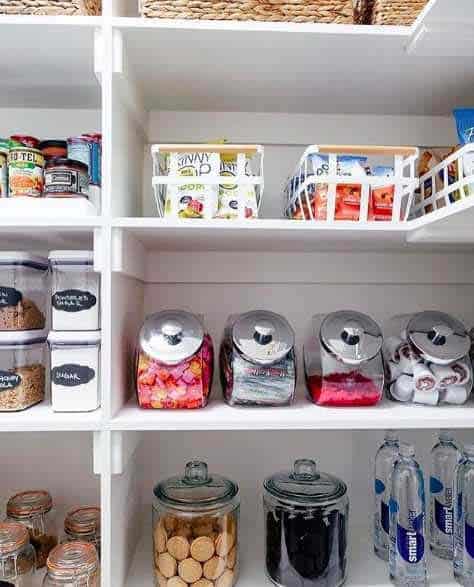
{"points": [[427, 359], [75, 371], [75, 291]]}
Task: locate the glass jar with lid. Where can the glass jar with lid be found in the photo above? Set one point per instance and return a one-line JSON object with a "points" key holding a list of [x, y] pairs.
{"points": [[343, 360], [427, 359], [73, 564], [306, 527], [257, 358], [195, 529], [17, 556], [175, 361], [34, 509], [83, 523]]}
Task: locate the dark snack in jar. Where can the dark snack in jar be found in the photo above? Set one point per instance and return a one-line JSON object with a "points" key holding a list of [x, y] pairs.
{"points": [[65, 178], [23, 316], [25, 172], [53, 148], [24, 140]]}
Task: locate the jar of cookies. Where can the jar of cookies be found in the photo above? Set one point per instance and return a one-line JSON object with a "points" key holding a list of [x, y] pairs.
{"points": [[17, 556], [73, 564], [195, 529]]}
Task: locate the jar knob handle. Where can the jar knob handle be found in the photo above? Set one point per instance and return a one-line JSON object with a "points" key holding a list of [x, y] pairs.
{"points": [[264, 332], [352, 333], [196, 472], [305, 470], [439, 333], [173, 332]]}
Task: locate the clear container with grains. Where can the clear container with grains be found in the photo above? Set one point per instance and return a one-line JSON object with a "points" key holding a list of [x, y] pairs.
{"points": [[73, 564], [343, 360], [34, 509], [306, 527], [427, 359], [195, 529], [83, 523], [75, 291], [23, 362], [17, 556], [23, 291], [257, 358]]}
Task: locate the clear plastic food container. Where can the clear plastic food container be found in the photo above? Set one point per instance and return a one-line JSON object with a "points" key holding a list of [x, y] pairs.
{"points": [[427, 359], [73, 564], [306, 527], [257, 357], [175, 361], [195, 529], [23, 291], [23, 363], [343, 360], [17, 556], [75, 291]]}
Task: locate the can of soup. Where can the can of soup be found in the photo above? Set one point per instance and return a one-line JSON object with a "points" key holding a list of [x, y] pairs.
{"points": [[24, 141], [25, 172]]}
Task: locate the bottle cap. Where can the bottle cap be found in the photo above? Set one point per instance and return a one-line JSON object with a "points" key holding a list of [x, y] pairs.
{"points": [[446, 436], [392, 435], [407, 450]]}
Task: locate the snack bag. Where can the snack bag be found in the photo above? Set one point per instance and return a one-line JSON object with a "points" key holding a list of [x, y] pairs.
{"points": [[235, 201], [431, 157], [381, 197], [314, 198], [465, 126], [348, 195], [192, 200]]}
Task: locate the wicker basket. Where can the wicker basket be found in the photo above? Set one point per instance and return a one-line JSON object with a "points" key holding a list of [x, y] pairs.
{"points": [[51, 7], [388, 12], [326, 11]]}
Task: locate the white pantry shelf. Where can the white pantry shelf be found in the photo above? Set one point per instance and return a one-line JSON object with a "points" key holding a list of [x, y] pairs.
{"points": [[46, 234]]}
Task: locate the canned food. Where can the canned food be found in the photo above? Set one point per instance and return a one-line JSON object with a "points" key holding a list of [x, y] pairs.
{"points": [[65, 178], [79, 150], [25, 141], [25, 172], [3, 174], [53, 148], [87, 148]]}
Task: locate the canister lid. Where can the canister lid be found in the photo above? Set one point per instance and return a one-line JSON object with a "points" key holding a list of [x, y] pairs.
{"points": [[70, 561], [351, 336], [29, 503], [71, 257], [83, 520], [438, 337], [74, 337], [24, 259], [263, 337], [171, 336], [305, 485], [196, 489], [20, 338]]}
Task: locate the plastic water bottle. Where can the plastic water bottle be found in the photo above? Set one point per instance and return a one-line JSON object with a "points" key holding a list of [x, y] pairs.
{"points": [[384, 463], [407, 521], [444, 460], [464, 519]]}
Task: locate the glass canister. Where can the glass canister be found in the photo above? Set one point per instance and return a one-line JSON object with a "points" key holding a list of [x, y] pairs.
{"points": [[306, 527], [343, 360], [83, 523], [75, 297], [195, 529], [23, 364], [17, 556], [34, 509], [175, 361], [23, 291], [427, 359], [257, 358], [73, 564]]}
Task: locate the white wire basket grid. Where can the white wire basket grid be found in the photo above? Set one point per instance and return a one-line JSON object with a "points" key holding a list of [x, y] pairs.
{"points": [[334, 183], [208, 181]]}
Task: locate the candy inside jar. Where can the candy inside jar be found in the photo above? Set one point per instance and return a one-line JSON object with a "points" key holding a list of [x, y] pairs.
{"points": [[175, 361]]}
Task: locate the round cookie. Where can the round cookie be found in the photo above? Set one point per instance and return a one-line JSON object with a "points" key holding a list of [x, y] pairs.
{"points": [[224, 543], [232, 558], [160, 537], [176, 582], [214, 568], [167, 565], [203, 583], [178, 547], [226, 579], [202, 549], [190, 570]]}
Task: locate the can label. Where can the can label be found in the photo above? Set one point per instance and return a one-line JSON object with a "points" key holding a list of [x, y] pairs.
{"points": [[65, 181], [3, 175], [25, 172]]}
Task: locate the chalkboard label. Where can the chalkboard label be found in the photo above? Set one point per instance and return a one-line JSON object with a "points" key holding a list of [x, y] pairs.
{"points": [[73, 300], [9, 296], [9, 380], [71, 375]]}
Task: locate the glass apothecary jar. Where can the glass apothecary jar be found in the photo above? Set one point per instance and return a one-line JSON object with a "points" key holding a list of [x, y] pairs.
{"points": [[195, 529], [174, 361], [75, 297], [23, 291], [343, 360], [83, 523], [17, 556], [427, 359], [34, 509], [306, 527], [73, 564], [257, 359], [23, 362]]}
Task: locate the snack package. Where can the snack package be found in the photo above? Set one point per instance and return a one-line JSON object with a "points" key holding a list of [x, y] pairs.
{"points": [[234, 201], [192, 200], [348, 196], [431, 157], [465, 126], [382, 196]]}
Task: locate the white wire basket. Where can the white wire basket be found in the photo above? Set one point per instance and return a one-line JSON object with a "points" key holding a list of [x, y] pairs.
{"points": [[447, 183], [192, 180], [328, 194]]}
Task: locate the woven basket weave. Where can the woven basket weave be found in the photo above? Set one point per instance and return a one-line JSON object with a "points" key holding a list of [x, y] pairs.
{"points": [[51, 7], [327, 11], [388, 12]]}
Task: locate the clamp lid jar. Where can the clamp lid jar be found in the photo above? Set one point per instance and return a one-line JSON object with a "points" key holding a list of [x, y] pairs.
{"points": [[73, 564], [83, 523], [17, 556]]}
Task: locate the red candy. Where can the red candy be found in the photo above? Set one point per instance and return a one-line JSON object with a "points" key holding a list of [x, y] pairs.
{"points": [[343, 389]]}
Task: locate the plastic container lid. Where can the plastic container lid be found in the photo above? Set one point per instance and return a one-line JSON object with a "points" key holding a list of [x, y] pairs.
{"points": [[352, 337], [438, 337], [171, 336], [263, 337], [24, 259], [22, 338], [196, 490], [13, 537], [74, 337], [52, 143], [71, 257], [305, 485]]}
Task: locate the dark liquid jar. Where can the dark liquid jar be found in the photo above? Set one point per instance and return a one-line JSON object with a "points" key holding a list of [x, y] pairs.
{"points": [[306, 524]]}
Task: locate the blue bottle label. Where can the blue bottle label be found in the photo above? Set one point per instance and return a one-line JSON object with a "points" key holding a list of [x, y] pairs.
{"points": [[385, 517], [435, 485], [469, 539], [459, 506], [444, 517], [379, 487], [410, 542]]}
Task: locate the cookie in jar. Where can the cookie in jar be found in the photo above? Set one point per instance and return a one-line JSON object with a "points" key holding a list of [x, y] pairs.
{"points": [[175, 361], [195, 529]]}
